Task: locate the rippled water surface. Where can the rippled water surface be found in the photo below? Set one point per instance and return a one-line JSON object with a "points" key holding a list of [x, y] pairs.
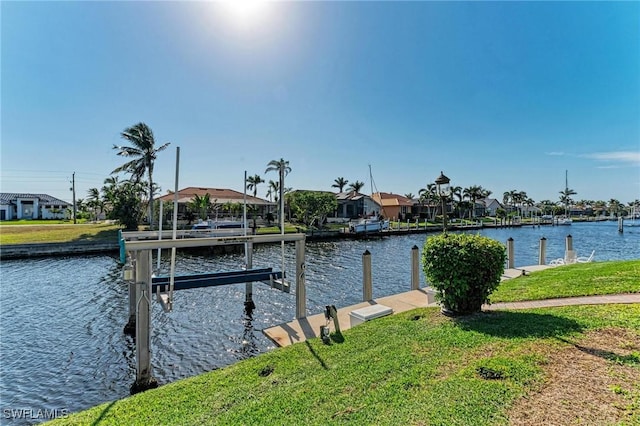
{"points": [[62, 345]]}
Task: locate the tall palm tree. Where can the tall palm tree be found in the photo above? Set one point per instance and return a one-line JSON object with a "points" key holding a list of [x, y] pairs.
{"points": [[473, 193], [95, 201], [253, 182], [273, 191], [282, 167], [144, 152], [340, 183], [356, 186], [428, 195]]}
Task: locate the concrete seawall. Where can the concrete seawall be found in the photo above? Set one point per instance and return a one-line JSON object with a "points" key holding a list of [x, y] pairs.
{"points": [[24, 251]]}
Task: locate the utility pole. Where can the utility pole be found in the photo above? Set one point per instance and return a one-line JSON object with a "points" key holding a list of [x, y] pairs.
{"points": [[73, 189]]}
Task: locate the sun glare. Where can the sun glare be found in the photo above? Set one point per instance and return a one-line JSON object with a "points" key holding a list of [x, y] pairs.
{"points": [[246, 13]]}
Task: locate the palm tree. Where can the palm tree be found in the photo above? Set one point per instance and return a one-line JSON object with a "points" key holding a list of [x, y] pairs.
{"points": [[565, 198], [253, 182], [614, 207], [144, 152], [356, 186], [273, 191], [409, 195], [428, 195], [282, 167], [340, 183], [473, 193], [201, 205], [94, 201]]}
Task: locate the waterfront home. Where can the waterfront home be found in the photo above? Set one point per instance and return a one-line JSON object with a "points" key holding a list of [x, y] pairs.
{"points": [[224, 202], [394, 206], [352, 205], [32, 206], [488, 207]]}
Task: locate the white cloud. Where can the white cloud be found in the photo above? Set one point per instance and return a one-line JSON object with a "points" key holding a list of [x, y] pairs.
{"points": [[632, 157], [555, 153]]}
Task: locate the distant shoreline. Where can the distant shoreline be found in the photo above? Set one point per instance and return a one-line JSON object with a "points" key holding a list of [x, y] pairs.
{"points": [[36, 250]]}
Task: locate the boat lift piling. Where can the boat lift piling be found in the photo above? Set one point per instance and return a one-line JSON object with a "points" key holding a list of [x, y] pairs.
{"points": [[138, 274]]}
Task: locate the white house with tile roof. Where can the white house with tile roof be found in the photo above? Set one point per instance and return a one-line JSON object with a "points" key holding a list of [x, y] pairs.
{"points": [[32, 206]]}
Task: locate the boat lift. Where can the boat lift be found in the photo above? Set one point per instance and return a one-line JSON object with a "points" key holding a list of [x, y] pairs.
{"points": [[142, 285]]}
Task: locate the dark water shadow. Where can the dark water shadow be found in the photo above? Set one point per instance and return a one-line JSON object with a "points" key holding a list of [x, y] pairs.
{"points": [[518, 324]]}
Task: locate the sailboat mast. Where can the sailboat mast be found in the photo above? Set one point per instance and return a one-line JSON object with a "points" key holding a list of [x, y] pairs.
{"points": [[566, 191]]}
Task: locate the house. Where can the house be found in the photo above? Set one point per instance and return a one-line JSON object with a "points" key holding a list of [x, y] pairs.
{"points": [[394, 206], [32, 206], [225, 202], [488, 207], [352, 205]]}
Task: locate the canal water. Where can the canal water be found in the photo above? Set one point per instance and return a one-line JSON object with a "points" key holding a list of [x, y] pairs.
{"points": [[61, 341]]}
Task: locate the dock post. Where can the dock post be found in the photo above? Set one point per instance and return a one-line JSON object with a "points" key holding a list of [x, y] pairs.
{"points": [[542, 255], [248, 287], [144, 377], [129, 274], [367, 285], [301, 291], [415, 275], [569, 242], [510, 261], [620, 225]]}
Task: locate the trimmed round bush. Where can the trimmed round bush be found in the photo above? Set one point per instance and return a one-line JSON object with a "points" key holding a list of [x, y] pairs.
{"points": [[464, 269]]}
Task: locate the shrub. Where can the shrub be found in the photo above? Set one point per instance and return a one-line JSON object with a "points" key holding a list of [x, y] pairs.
{"points": [[464, 269]]}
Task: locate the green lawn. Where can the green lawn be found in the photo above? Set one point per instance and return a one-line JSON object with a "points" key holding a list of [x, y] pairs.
{"points": [[413, 368], [581, 279], [51, 232]]}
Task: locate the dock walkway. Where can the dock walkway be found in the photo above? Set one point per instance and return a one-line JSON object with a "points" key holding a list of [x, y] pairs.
{"points": [[307, 328]]}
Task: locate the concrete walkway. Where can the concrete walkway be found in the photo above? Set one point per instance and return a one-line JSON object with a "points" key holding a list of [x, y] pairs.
{"points": [[307, 328]]}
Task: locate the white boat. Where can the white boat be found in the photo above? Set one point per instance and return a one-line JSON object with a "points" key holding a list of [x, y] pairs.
{"points": [[217, 228], [563, 220], [368, 225]]}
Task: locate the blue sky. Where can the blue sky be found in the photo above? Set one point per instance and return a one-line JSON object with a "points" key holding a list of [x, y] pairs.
{"points": [[507, 95]]}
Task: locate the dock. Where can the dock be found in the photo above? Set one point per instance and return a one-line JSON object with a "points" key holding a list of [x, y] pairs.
{"points": [[297, 331]]}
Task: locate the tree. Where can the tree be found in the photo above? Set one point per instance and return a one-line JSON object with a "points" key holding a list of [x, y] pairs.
{"points": [[340, 183], [253, 182], [312, 206], [127, 206], [473, 193], [409, 195], [144, 153], [94, 201], [282, 167], [201, 205], [273, 191], [427, 196], [356, 186], [565, 198]]}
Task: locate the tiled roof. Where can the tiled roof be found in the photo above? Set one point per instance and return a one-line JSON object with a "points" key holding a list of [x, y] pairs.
{"points": [[386, 199], [222, 195], [10, 197]]}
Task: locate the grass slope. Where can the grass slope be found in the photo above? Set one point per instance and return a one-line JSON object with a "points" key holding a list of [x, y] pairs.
{"points": [[57, 233], [582, 279], [417, 367]]}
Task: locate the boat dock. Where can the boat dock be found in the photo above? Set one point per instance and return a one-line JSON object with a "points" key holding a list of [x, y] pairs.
{"points": [[297, 331]]}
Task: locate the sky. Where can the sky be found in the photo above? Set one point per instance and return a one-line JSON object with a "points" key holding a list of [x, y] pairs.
{"points": [[506, 95]]}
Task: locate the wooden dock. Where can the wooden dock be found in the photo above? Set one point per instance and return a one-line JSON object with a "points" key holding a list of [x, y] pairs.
{"points": [[309, 327]]}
